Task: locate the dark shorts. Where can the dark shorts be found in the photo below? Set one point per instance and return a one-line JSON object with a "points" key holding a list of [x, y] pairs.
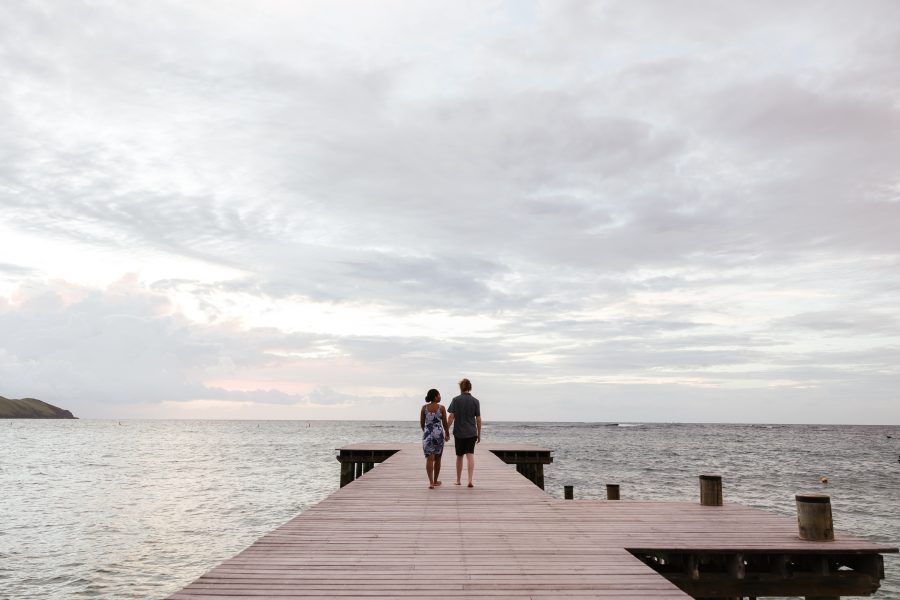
{"points": [[464, 445]]}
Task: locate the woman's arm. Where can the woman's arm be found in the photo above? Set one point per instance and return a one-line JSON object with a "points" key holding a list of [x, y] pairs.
{"points": [[422, 418], [445, 424]]}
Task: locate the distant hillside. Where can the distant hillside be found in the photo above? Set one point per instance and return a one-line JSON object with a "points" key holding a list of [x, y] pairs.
{"points": [[31, 408]]}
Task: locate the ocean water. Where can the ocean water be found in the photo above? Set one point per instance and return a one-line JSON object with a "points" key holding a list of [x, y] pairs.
{"points": [[138, 509]]}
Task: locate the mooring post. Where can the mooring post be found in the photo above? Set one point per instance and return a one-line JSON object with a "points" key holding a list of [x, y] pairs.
{"points": [[569, 492], [814, 517], [711, 490], [612, 491], [346, 473]]}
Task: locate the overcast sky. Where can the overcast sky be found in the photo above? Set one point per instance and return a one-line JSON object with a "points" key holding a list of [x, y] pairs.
{"points": [[596, 211]]}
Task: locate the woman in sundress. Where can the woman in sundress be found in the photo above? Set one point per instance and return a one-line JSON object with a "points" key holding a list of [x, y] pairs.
{"points": [[433, 419]]}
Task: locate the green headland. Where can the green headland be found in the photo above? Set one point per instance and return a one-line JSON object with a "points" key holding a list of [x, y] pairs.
{"points": [[31, 408]]}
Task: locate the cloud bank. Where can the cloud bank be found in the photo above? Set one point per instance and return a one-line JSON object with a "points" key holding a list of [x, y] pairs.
{"points": [[596, 211]]}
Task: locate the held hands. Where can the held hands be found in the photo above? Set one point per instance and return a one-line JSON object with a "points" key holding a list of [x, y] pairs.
{"points": [[478, 439], [446, 437]]}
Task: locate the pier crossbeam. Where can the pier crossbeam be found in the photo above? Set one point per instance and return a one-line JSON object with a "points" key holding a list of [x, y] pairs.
{"points": [[386, 535]]}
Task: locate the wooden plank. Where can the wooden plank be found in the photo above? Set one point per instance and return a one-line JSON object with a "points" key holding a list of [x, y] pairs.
{"points": [[386, 535]]}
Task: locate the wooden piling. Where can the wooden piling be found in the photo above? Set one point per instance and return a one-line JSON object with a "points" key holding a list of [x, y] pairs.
{"points": [[711, 490], [612, 491], [347, 474], [539, 475], [529, 460], [814, 519], [569, 492], [359, 459]]}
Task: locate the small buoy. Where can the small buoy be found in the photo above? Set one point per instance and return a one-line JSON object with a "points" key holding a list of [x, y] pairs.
{"points": [[823, 479]]}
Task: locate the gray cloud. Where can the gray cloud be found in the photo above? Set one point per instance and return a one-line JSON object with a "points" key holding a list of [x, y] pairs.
{"points": [[648, 191], [125, 345], [11, 270]]}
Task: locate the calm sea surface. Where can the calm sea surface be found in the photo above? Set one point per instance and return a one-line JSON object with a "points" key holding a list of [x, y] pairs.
{"points": [[138, 509]]}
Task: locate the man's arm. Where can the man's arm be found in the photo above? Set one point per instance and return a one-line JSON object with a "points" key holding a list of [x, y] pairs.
{"points": [[478, 425], [449, 422], [446, 425]]}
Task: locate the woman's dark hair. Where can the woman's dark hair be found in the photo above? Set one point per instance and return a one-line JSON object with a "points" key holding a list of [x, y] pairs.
{"points": [[431, 395]]}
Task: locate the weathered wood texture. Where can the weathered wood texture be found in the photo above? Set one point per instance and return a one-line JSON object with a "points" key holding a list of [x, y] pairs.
{"points": [[386, 535], [814, 517], [711, 490]]}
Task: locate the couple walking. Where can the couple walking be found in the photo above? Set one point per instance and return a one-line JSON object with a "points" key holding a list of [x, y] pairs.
{"points": [[465, 416]]}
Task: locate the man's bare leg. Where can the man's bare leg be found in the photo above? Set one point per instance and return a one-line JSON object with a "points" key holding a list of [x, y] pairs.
{"points": [[458, 469], [470, 466]]}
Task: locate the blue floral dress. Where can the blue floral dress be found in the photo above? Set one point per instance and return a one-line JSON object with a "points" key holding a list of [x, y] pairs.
{"points": [[433, 436]]}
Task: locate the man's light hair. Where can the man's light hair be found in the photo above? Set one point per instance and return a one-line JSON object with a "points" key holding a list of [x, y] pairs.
{"points": [[465, 385]]}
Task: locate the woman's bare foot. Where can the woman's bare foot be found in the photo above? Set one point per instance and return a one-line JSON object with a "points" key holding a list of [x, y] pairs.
{"points": [[430, 486], [470, 484], [437, 483], [457, 483]]}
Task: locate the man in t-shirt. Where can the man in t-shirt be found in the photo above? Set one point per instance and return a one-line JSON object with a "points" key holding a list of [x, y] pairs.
{"points": [[465, 418]]}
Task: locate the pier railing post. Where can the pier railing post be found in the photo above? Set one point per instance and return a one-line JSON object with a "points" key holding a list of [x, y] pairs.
{"points": [[612, 491], [814, 517], [711, 490], [569, 492]]}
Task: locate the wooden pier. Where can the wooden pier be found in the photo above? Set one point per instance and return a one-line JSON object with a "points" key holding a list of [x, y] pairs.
{"points": [[384, 534]]}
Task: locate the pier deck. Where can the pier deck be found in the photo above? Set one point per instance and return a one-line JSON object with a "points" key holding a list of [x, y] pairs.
{"points": [[386, 535]]}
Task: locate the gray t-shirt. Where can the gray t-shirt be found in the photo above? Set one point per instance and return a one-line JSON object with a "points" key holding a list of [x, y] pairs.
{"points": [[465, 408]]}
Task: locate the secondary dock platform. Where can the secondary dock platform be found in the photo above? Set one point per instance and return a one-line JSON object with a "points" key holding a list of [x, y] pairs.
{"points": [[384, 534]]}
